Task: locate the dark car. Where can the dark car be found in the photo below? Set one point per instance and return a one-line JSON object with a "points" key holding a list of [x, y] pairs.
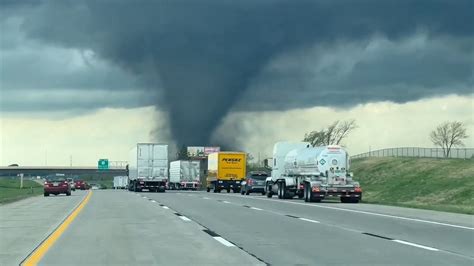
{"points": [[81, 184], [56, 186], [254, 183]]}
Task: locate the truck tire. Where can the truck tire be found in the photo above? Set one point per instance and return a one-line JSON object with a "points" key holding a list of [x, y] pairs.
{"points": [[280, 190], [228, 190], [208, 189], [263, 193], [305, 193], [242, 192], [300, 195], [269, 190], [247, 192], [68, 193]]}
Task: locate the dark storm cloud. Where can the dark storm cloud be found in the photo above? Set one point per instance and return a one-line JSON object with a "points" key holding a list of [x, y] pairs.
{"points": [[206, 56]]}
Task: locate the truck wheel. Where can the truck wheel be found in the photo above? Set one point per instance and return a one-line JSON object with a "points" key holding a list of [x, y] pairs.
{"points": [[306, 194], [228, 190], [269, 191], [208, 189], [68, 193], [300, 195], [242, 192], [247, 192], [280, 190]]}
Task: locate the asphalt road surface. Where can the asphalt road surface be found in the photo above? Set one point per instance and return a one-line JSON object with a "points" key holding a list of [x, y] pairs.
{"points": [[199, 228], [24, 224]]}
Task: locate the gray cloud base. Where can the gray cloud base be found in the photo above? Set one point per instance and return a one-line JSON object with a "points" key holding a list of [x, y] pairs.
{"points": [[207, 57]]}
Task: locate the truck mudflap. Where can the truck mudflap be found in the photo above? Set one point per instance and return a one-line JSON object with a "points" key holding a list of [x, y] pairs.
{"points": [[234, 185], [352, 193], [157, 186]]}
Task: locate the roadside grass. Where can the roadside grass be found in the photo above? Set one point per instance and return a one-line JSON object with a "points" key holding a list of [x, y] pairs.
{"points": [[425, 183], [10, 190]]}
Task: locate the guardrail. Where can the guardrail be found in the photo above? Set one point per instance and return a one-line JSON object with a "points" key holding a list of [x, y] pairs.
{"points": [[458, 153]]}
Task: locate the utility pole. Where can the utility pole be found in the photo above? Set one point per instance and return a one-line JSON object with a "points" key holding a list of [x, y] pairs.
{"points": [[21, 180]]}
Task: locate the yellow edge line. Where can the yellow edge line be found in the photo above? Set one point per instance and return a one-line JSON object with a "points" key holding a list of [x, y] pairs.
{"points": [[38, 254]]}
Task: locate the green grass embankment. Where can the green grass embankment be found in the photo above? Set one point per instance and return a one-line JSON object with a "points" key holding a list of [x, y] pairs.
{"points": [[436, 184], [10, 190]]}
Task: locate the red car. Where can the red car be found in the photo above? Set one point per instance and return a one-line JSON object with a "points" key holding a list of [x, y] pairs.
{"points": [[56, 186], [82, 185]]}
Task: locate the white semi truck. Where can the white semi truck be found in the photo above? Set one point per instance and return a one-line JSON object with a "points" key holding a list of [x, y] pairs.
{"points": [[120, 182], [184, 175], [312, 173], [148, 167]]}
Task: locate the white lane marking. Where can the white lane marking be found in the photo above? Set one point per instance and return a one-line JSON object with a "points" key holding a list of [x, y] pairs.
{"points": [[206, 198], [257, 209], [309, 220], [363, 212], [225, 201], [224, 242], [190, 195], [184, 218], [164, 207], [153, 200], [144, 197], [415, 245]]}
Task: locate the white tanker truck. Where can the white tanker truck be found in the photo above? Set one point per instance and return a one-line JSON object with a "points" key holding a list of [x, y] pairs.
{"points": [[312, 173]]}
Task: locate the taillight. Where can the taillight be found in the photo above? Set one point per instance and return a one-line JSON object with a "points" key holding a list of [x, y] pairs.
{"points": [[315, 189], [357, 189]]}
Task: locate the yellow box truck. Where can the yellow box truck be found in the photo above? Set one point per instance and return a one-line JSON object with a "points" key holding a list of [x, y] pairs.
{"points": [[226, 170]]}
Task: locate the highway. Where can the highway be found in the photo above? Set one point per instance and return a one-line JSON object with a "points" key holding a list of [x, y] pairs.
{"points": [[199, 228]]}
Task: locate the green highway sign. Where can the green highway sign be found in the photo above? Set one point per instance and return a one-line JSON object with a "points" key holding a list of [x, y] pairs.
{"points": [[103, 164]]}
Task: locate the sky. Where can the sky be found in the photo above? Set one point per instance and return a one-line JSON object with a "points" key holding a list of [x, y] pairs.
{"points": [[89, 79]]}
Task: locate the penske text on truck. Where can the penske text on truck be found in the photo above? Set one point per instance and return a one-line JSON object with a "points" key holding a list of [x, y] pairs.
{"points": [[226, 170]]}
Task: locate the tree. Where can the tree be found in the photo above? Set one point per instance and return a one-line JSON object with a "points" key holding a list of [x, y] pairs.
{"points": [[182, 154], [332, 135], [448, 135]]}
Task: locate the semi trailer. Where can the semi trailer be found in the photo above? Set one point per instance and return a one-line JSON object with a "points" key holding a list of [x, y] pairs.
{"points": [[148, 167], [226, 171], [184, 175], [120, 182], [312, 173]]}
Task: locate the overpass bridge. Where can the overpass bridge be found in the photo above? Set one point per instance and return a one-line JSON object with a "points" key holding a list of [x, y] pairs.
{"points": [[67, 170]]}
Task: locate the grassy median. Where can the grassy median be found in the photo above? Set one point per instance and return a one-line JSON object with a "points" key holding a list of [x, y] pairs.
{"points": [[10, 190], [427, 183]]}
